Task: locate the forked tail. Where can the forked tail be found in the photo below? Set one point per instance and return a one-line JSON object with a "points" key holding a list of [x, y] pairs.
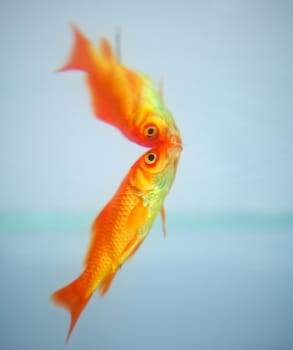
{"points": [[82, 54], [70, 298]]}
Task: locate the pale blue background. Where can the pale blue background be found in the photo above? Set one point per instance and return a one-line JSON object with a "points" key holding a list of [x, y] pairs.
{"points": [[223, 277], [228, 73]]}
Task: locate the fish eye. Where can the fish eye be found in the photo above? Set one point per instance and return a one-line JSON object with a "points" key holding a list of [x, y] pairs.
{"points": [[150, 158], [150, 131]]}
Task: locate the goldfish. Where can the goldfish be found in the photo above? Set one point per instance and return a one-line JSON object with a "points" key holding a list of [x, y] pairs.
{"points": [[121, 227], [120, 96]]}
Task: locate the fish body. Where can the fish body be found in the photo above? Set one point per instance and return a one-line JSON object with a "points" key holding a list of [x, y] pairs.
{"points": [[122, 226], [122, 97]]}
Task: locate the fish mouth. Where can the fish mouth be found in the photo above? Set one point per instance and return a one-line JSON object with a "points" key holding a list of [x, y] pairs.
{"points": [[176, 142]]}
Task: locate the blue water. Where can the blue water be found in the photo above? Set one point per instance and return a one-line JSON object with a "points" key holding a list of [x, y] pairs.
{"points": [[217, 281]]}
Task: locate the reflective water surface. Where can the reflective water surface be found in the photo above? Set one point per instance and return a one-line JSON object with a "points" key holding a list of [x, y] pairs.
{"points": [[215, 282]]}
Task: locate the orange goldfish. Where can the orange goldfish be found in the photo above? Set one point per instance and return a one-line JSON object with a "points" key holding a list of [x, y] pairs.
{"points": [[121, 227], [122, 97]]}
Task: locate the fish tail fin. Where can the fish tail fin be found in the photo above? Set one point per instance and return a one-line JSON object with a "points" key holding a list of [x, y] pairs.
{"points": [[82, 53], [69, 298]]}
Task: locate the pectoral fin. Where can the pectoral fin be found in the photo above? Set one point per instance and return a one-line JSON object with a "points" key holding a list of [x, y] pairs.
{"points": [[163, 216], [135, 221], [136, 218]]}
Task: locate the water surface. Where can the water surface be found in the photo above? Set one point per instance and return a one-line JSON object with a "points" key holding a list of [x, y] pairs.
{"points": [[218, 281]]}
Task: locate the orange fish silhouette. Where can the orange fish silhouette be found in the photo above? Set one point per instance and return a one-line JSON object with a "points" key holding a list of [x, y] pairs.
{"points": [[122, 97], [121, 227]]}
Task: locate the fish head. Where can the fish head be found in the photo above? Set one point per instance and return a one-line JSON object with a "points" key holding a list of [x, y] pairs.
{"points": [[152, 123], [156, 169], [158, 127]]}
